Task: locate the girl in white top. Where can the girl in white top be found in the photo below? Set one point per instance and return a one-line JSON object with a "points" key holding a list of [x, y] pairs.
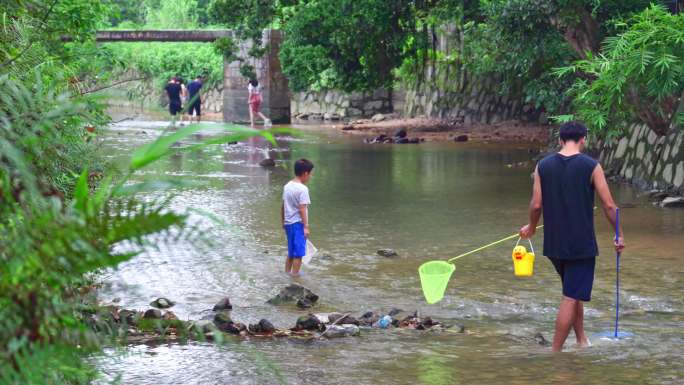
{"points": [[254, 101], [184, 98]]}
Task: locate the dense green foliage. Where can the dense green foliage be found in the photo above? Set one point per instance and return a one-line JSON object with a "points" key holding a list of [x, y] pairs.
{"points": [[329, 52], [159, 61], [64, 214], [639, 73]]}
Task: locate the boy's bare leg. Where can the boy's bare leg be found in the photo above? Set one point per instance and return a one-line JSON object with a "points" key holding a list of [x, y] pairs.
{"points": [[579, 325], [564, 321], [288, 264], [296, 265]]}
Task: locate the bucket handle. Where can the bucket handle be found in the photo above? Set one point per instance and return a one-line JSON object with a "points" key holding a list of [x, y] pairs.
{"points": [[529, 240]]}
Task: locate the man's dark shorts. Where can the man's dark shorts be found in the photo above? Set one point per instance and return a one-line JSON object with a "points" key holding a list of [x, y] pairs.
{"points": [[195, 107], [577, 276], [175, 107]]}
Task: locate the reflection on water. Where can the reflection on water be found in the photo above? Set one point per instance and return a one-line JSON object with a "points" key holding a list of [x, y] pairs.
{"points": [[428, 201]]}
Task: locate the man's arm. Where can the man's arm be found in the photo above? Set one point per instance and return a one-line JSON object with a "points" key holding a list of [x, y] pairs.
{"points": [[282, 214], [305, 218], [598, 177], [529, 229]]}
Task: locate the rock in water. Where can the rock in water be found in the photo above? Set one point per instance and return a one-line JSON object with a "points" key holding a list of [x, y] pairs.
{"points": [[369, 318], [378, 118], [401, 133], [304, 303], [335, 318], [672, 202], [266, 326], [387, 253], [130, 317], [234, 328], [223, 304], [461, 138], [268, 162], [541, 340], [293, 293], [308, 322], [162, 303], [152, 314], [170, 316], [203, 326], [222, 320]]}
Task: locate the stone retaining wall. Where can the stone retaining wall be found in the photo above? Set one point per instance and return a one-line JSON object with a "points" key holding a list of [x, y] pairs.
{"points": [[646, 160], [336, 105]]}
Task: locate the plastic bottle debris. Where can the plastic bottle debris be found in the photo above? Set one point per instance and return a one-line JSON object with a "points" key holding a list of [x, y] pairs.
{"points": [[345, 330], [384, 322]]}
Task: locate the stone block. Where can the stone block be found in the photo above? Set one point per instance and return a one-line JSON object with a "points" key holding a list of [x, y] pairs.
{"points": [[667, 173], [678, 180]]}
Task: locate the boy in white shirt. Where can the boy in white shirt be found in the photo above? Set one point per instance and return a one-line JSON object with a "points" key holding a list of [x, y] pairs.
{"points": [[294, 215]]}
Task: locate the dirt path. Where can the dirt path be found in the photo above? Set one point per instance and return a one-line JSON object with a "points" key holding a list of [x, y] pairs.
{"points": [[432, 129]]}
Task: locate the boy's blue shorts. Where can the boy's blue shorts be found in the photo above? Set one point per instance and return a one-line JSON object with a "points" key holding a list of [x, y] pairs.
{"points": [[577, 276], [296, 241]]}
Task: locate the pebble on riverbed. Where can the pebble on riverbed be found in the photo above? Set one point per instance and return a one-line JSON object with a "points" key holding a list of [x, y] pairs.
{"points": [[162, 303], [293, 293], [268, 163], [152, 314], [388, 253], [223, 304]]}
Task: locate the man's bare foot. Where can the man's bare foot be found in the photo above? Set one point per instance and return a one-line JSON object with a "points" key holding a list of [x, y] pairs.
{"points": [[585, 343]]}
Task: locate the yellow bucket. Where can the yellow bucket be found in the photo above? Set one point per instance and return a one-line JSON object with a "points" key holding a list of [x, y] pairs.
{"points": [[523, 261]]}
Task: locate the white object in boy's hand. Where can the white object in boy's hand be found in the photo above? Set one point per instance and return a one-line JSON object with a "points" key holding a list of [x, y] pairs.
{"points": [[311, 250]]}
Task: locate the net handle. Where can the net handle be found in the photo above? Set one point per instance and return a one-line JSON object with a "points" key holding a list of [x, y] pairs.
{"points": [[489, 245]]}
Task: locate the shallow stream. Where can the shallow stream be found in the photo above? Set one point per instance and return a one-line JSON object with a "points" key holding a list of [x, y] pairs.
{"points": [[427, 201]]}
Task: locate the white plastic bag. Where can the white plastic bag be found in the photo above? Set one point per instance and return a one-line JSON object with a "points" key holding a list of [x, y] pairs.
{"points": [[311, 250]]}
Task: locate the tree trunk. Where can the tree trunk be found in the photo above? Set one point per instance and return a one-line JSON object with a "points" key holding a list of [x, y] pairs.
{"points": [[581, 32]]}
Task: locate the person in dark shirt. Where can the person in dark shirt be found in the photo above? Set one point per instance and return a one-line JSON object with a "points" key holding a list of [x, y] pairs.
{"points": [[564, 187], [173, 90], [194, 98]]}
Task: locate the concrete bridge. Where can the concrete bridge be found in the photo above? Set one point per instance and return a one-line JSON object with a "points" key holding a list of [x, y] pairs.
{"points": [[276, 95]]}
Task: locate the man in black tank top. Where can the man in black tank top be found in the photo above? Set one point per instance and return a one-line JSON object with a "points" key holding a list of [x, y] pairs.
{"points": [[564, 187]]}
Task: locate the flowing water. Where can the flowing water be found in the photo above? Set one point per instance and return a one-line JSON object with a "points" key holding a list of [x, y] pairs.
{"points": [[427, 201]]}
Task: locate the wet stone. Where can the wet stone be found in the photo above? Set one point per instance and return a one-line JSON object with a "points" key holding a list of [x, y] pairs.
{"points": [[153, 314], [308, 322], [222, 320], [293, 293], [388, 253], [343, 319], [304, 303], [345, 330], [130, 317], [162, 303], [223, 304], [268, 162], [170, 316], [203, 326], [234, 328], [461, 138], [672, 202], [541, 340], [263, 327]]}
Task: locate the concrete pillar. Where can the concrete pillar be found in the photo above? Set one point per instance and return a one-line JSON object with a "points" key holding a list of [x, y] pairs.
{"points": [[275, 94]]}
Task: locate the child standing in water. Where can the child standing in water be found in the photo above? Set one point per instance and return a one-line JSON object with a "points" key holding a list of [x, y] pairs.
{"points": [[254, 101], [294, 215]]}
